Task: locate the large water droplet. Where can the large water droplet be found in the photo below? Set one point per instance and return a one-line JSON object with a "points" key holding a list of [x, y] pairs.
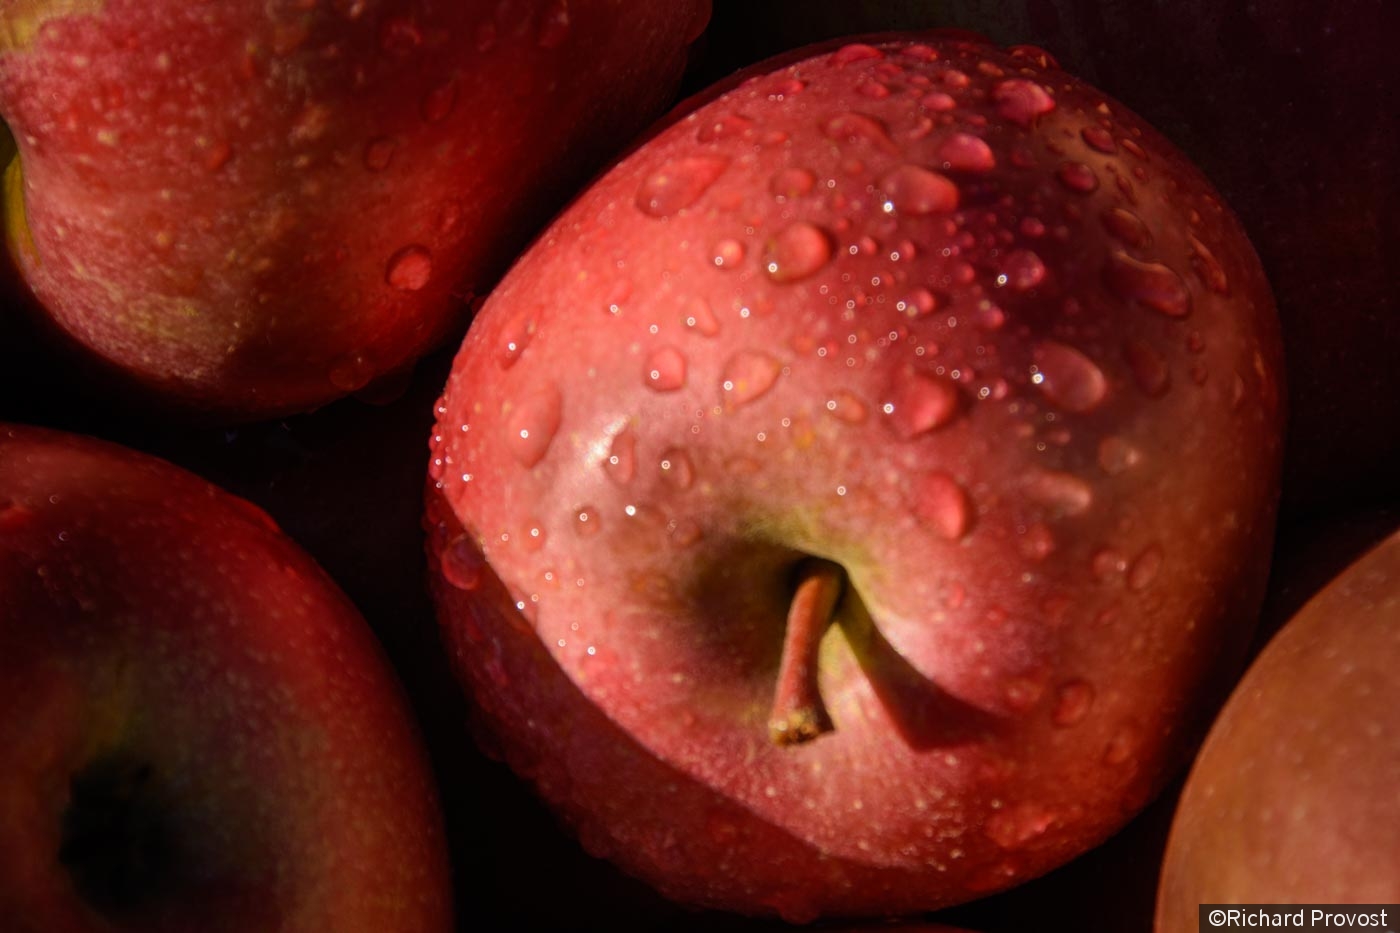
{"points": [[461, 563], [679, 184], [1076, 176], [532, 423], [1127, 227], [1068, 378], [855, 52], [1064, 493], [942, 504], [1023, 270], [747, 375], [1208, 268], [1021, 101], [700, 317], [676, 469], [515, 337], [919, 403], [1072, 704], [1150, 371], [963, 152], [621, 462], [857, 127], [797, 252], [1148, 283], [913, 189], [409, 269], [792, 183], [665, 369]]}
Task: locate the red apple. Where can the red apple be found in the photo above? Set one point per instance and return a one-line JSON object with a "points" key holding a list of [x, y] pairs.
{"points": [[253, 208], [197, 730], [1294, 796], [922, 338]]}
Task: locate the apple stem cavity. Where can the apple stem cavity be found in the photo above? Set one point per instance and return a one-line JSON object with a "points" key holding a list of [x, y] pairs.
{"points": [[798, 712]]}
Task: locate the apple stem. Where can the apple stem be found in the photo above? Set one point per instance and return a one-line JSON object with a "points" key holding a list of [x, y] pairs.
{"points": [[798, 712]]}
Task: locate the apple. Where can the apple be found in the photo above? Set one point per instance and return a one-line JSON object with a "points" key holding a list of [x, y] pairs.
{"points": [[1293, 797], [857, 500], [198, 730], [249, 209]]}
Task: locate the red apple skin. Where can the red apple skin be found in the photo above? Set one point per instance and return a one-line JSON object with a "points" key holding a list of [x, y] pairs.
{"points": [[149, 618], [250, 209], [1293, 797], [1061, 571]]}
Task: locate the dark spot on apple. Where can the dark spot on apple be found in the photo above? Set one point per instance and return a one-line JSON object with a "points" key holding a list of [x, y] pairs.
{"points": [[117, 843]]}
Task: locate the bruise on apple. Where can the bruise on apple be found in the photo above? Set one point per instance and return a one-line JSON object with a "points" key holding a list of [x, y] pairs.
{"points": [[930, 318]]}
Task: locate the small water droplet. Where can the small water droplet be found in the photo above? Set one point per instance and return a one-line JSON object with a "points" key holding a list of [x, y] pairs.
{"points": [[351, 372], [1021, 101], [1127, 227], [1099, 139], [914, 190], [963, 152], [1208, 268], [1108, 563], [684, 532], [1023, 270], [678, 184], [379, 152], [216, 156], [1037, 542], [857, 127], [587, 522], [1068, 378], [1013, 827], [554, 25], [1076, 176], [942, 504], [918, 303], [461, 563], [797, 252], [1062, 492], [700, 317], [1072, 704], [665, 369], [747, 375], [1117, 456], [1149, 368], [845, 407], [1148, 283], [399, 35], [873, 89], [1145, 568], [919, 403], [676, 468], [439, 102], [410, 268], [621, 462], [1120, 748], [728, 253], [449, 215], [855, 52], [532, 423], [791, 183], [725, 126]]}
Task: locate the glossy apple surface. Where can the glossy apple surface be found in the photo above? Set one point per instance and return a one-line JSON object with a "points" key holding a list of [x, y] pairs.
{"points": [[1293, 797], [253, 208], [198, 730], [921, 335]]}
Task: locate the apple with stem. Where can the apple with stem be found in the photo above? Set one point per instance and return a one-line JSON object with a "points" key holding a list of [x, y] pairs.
{"points": [[249, 209], [856, 501], [1293, 797], [197, 729]]}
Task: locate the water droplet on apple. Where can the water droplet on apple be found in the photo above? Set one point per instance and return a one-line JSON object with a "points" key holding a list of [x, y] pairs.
{"points": [[1117, 456], [1099, 139], [1148, 283], [14, 516], [1120, 748], [678, 184], [379, 152], [439, 102], [845, 407], [351, 372], [1078, 177], [399, 35], [963, 152], [1145, 568], [621, 461], [747, 375], [532, 423], [665, 369], [515, 337], [1072, 703], [217, 155], [942, 505], [700, 317], [676, 469], [461, 563], [918, 303], [797, 252], [938, 102], [857, 127], [1036, 542], [1012, 827], [919, 403], [855, 52], [1023, 270], [554, 25], [1208, 268], [587, 523], [1149, 369], [1068, 378], [1127, 227], [1108, 563], [1062, 492], [728, 253], [791, 183], [915, 190], [726, 126], [1021, 101], [409, 269]]}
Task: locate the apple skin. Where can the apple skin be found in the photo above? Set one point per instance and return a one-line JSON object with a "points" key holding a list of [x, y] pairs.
{"points": [[1293, 796], [151, 624], [250, 209], [1064, 518]]}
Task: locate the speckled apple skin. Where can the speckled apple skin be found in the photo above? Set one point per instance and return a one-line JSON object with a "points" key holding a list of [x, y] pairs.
{"points": [[1050, 475], [147, 616], [254, 208], [1295, 796]]}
